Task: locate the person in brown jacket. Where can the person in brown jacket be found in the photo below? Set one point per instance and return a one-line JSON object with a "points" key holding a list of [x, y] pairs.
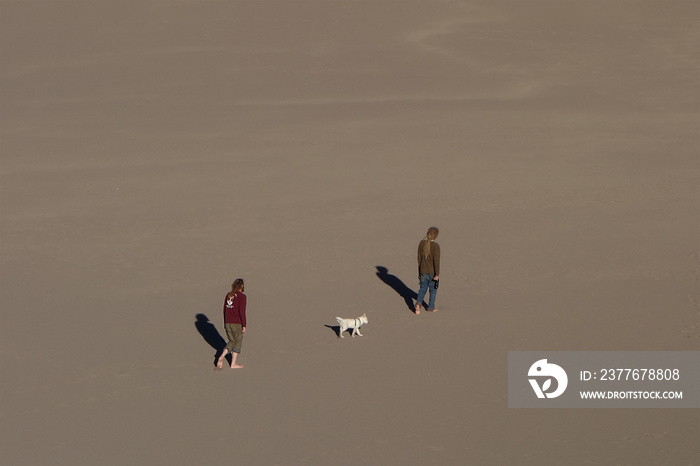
{"points": [[428, 268]]}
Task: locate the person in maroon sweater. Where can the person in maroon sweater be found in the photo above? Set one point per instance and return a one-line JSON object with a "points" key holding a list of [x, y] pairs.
{"points": [[234, 323]]}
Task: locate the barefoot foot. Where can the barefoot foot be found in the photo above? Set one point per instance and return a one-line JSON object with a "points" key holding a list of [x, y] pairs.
{"points": [[236, 366]]}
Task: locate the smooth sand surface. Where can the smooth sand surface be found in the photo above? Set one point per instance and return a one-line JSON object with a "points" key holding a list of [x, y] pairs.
{"points": [[154, 151]]}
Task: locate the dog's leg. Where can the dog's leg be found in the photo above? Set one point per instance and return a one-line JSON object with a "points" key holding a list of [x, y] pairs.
{"points": [[358, 332]]}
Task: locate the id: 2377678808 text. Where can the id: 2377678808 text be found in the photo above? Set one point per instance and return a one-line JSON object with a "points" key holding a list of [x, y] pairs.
{"points": [[631, 374]]}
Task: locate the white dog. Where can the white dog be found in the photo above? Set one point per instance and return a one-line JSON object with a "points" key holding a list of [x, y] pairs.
{"points": [[354, 324]]}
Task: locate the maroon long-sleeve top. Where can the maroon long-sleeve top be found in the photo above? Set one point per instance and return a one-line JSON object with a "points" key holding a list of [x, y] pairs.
{"points": [[234, 308]]}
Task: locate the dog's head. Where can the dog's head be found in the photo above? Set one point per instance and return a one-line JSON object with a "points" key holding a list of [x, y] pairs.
{"points": [[364, 319]]}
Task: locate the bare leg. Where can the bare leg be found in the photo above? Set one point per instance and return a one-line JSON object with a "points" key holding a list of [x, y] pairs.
{"points": [[234, 358], [220, 361]]}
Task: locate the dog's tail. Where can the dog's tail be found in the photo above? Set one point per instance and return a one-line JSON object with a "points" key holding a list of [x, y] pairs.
{"points": [[340, 321]]}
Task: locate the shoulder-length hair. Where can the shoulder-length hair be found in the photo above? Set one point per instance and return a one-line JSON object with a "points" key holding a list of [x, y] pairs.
{"points": [[236, 286]]}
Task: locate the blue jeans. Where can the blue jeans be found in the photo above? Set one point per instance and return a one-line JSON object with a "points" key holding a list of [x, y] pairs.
{"points": [[427, 283]]}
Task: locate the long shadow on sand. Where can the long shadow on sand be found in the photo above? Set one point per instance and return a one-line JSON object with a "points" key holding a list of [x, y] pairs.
{"points": [[397, 285], [336, 329], [211, 335]]}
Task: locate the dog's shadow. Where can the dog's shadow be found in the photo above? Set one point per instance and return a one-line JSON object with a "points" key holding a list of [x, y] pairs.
{"points": [[336, 329], [211, 335], [397, 285]]}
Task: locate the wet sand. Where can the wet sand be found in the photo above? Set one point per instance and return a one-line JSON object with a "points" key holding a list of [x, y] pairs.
{"points": [[152, 152]]}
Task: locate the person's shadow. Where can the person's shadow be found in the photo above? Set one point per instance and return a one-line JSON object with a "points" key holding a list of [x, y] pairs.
{"points": [[397, 285], [211, 335]]}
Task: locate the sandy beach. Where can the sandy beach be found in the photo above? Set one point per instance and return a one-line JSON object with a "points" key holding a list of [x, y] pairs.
{"points": [[154, 151]]}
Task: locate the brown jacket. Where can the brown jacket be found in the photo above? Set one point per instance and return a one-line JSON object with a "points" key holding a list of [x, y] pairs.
{"points": [[430, 264]]}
